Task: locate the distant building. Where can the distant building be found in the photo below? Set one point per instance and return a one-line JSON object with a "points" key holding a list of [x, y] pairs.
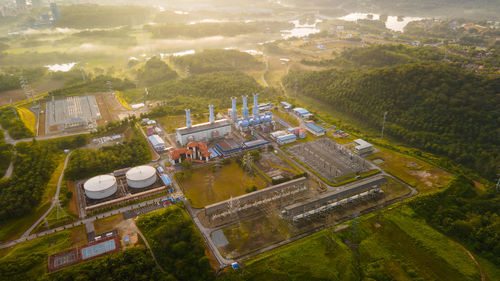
{"points": [[157, 142], [302, 112], [362, 147], [315, 129], [286, 105], [288, 138]]}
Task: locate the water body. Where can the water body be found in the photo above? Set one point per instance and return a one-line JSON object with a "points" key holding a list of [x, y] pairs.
{"points": [[65, 67], [391, 23], [301, 30]]}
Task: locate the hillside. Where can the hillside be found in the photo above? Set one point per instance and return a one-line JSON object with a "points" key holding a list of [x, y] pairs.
{"points": [[217, 60], [439, 108]]}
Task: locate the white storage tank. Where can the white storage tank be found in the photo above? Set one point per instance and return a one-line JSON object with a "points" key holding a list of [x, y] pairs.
{"points": [[141, 176], [100, 187]]}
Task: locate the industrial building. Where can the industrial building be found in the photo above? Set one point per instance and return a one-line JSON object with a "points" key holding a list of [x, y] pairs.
{"points": [[100, 187], [362, 147], [286, 105], [203, 132], [302, 112], [76, 112], [315, 129], [194, 151], [157, 142], [141, 176]]}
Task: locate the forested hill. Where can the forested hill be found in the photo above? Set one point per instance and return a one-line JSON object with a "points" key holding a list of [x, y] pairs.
{"points": [[436, 107]]}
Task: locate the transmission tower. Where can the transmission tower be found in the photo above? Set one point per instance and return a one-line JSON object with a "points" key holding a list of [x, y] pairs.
{"points": [[13, 109], [383, 125], [497, 188]]}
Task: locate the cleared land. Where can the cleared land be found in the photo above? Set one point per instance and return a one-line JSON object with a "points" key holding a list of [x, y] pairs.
{"points": [[413, 171], [28, 118], [208, 184]]}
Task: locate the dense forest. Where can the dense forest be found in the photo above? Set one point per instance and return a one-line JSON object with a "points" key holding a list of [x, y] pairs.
{"points": [[133, 264], [92, 16], [199, 30], [119, 37], [177, 245], [86, 163], [439, 108], [5, 154], [155, 71], [34, 163], [93, 85], [217, 60], [8, 82], [215, 87], [13, 124], [462, 212]]}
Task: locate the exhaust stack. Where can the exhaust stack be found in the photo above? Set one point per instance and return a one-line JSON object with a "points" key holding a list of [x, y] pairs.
{"points": [[244, 111], [188, 118], [212, 117], [255, 104], [234, 111]]}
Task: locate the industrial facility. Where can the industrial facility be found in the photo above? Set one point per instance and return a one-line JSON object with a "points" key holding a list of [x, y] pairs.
{"points": [[72, 113], [100, 187], [362, 147], [194, 151], [203, 132], [141, 176]]}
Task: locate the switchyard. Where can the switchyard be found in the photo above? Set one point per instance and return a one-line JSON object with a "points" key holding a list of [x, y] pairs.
{"points": [[369, 188], [72, 113], [329, 159], [273, 196]]}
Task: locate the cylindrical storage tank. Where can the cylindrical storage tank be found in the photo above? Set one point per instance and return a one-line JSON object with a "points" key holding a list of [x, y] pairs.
{"points": [[141, 176], [296, 132], [302, 133], [100, 187]]}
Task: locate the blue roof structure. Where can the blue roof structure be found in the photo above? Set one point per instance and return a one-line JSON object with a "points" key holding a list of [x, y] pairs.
{"points": [[314, 127], [254, 143], [166, 180], [301, 111], [160, 169], [156, 140], [98, 249]]}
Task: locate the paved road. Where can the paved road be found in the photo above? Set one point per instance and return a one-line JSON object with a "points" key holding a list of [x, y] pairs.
{"points": [[54, 201], [83, 221], [8, 139]]}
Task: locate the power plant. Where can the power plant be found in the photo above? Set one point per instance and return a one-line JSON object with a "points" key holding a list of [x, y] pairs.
{"points": [[203, 132]]}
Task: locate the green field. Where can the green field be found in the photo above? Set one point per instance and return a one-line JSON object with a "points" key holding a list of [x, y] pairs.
{"points": [[30, 258], [208, 185], [395, 245], [411, 170]]}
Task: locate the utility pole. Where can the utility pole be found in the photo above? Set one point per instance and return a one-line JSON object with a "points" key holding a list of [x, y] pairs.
{"points": [[383, 125]]}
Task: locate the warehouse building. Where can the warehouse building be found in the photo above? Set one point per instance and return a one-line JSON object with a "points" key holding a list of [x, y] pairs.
{"points": [[203, 132], [315, 129], [362, 147], [302, 112], [288, 138], [157, 142]]}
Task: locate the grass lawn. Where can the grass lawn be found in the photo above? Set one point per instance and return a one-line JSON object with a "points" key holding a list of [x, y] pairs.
{"points": [[312, 258], [107, 224], [205, 186], [170, 123], [28, 118], [413, 171], [289, 119], [122, 101], [395, 246], [250, 235], [30, 258]]}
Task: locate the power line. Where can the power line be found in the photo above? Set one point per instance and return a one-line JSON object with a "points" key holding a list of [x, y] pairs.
{"points": [[383, 125]]}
